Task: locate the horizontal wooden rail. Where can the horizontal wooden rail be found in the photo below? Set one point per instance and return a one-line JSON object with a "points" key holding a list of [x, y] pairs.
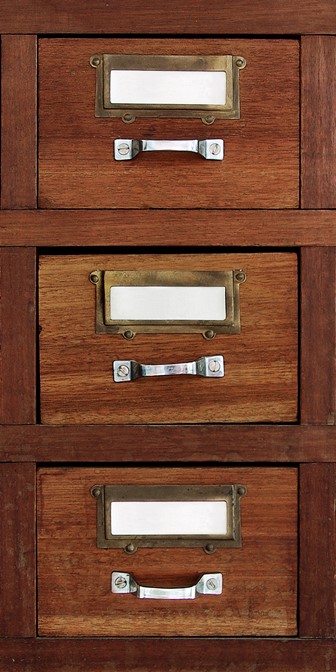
{"points": [[176, 443], [178, 228]]}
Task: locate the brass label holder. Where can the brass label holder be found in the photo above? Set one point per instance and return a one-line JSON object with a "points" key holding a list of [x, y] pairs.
{"points": [[229, 281], [231, 536], [227, 108]]}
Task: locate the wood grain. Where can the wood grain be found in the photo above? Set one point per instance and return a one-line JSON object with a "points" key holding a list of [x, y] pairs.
{"points": [[18, 331], [76, 164], [167, 655], [264, 17], [318, 63], [318, 550], [260, 383], [18, 556], [318, 336], [74, 576], [160, 228], [18, 121], [207, 443]]}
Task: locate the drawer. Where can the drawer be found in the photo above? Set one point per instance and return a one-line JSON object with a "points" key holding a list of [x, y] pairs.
{"points": [[259, 576], [77, 168], [260, 362]]}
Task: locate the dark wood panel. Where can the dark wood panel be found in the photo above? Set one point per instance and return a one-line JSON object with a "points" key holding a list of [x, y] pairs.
{"points": [[260, 382], [148, 16], [318, 336], [17, 557], [261, 165], [260, 578], [178, 228], [18, 328], [318, 122], [171, 654], [18, 121], [317, 550], [212, 443]]}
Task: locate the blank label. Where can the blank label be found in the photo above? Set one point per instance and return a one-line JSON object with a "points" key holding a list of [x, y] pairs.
{"points": [[169, 518], [167, 87], [167, 303]]}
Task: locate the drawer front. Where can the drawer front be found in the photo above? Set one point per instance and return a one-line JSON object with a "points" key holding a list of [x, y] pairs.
{"points": [[76, 163], [260, 381], [74, 576]]}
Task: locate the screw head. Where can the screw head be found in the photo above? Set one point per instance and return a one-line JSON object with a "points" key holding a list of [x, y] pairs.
{"points": [[123, 371], [209, 333], [241, 491], [120, 582], [129, 334], [240, 276], [211, 584], [209, 548], [124, 149], [214, 366], [215, 149], [95, 492], [128, 118], [130, 548], [94, 278], [95, 61], [209, 119], [240, 62]]}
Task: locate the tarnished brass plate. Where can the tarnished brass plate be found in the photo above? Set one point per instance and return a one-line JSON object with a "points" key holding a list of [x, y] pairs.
{"points": [[226, 281], [226, 106], [230, 537]]}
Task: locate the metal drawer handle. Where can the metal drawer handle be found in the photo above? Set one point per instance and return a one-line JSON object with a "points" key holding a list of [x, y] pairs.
{"points": [[124, 150], [208, 584], [209, 367]]}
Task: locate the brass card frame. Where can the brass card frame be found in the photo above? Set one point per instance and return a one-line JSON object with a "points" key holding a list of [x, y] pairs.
{"points": [[104, 280], [106, 494], [104, 63]]}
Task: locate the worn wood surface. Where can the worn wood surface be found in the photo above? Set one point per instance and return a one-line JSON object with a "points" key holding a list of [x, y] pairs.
{"points": [[17, 557], [317, 550], [159, 228], [261, 164], [74, 593], [147, 16], [168, 655], [18, 329], [318, 179], [207, 443], [260, 382], [318, 336], [18, 121]]}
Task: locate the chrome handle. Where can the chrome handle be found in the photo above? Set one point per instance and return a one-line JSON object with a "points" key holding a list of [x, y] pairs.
{"points": [[124, 150], [209, 367], [208, 584]]}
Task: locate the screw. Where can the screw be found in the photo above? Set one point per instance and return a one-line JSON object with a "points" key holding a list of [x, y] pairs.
{"points": [[120, 582], [94, 278], [241, 491], [130, 548], [123, 371], [208, 120], [209, 548], [129, 334], [241, 276], [95, 61], [128, 118], [214, 366], [214, 148], [209, 334], [240, 62], [95, 492], [124, 149], [211, 584]]}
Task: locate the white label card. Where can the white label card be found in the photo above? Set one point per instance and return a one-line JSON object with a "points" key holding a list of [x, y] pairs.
{"points": [[167, 303]]}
